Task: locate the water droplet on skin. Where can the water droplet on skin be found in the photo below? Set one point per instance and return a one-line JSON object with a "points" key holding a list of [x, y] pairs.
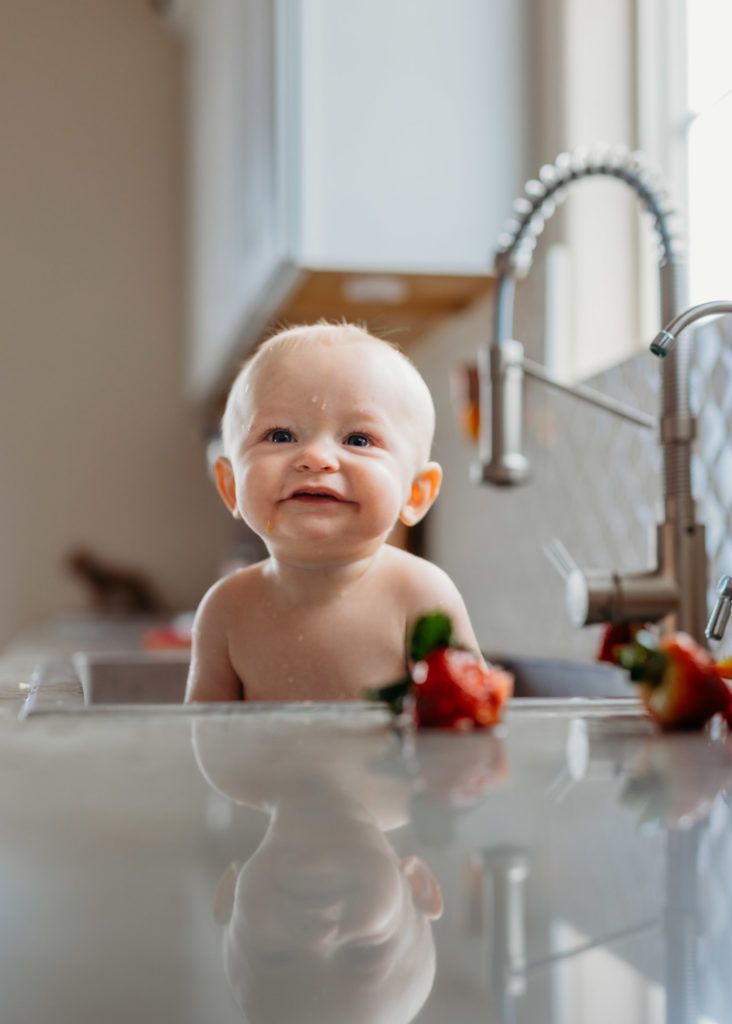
{"points": [[300, 636], [314, 399]]}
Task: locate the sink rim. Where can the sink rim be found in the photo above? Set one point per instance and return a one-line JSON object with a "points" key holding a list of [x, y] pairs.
{"points": [[58, 687]]}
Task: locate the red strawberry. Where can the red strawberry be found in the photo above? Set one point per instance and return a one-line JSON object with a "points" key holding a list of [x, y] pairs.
{"points": [[448, 685], [616, 635], [454, 687], [677, 680]]}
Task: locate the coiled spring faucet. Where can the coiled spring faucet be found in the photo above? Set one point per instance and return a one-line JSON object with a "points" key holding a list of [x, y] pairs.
{"points": [[674, 590]]}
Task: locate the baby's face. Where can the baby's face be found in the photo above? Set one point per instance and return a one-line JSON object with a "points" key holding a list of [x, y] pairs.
{"points": [[325, 918], [327, 449]]}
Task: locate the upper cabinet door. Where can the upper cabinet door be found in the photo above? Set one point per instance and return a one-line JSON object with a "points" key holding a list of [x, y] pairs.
{"points": [[411, 118]]}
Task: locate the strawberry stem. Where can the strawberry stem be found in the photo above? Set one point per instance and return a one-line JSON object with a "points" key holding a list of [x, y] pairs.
{"points": [[429, 633], [643, 660]]}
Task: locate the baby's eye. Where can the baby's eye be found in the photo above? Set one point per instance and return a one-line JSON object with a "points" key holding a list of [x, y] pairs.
{"points": [[280, 436], [358, 440]]}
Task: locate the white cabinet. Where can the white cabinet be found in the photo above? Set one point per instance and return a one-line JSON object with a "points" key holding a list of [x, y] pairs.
{"points": [[343, 135], [236, 230], [409, 116]]}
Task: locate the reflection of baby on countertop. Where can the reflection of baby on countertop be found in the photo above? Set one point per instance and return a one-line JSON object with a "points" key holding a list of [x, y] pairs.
{"points": [[324, 921], [327, 433]]}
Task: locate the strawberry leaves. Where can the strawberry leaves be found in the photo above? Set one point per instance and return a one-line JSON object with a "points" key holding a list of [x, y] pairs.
{"points": [[430, 633]]}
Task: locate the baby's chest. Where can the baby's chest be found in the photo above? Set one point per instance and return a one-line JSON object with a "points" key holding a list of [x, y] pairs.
{"points": [[327, 654]]}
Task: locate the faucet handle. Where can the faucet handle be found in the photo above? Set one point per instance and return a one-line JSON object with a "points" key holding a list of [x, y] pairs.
{"points": [[594, 596], [560, 558], [588, 594], [720, 613]]}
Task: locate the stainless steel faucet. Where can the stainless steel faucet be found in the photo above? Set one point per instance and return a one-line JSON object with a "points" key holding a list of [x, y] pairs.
{"points": [[720, 613], [666, 339], [674, 589], [664, 342]]}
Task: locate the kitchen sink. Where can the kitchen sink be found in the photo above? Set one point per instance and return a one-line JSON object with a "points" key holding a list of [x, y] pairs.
{"points": [[556, 678], [145, 681], [133, 678], [87, 681]]}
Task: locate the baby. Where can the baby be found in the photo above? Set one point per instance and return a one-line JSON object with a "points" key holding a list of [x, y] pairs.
{"points": [[327, 434]]}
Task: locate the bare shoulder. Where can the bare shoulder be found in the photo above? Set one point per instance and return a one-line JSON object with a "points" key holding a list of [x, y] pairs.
{"points": [[424, 587], [417, 577], [225, 596]]}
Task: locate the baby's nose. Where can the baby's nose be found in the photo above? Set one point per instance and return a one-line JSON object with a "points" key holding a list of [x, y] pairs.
{"points": [[318, 455]]}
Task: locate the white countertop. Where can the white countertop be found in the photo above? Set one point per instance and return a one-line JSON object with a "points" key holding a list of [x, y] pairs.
{"points": [[584, 862]]}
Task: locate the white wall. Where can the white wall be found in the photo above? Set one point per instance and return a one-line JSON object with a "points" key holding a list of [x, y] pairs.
{"points": [[96, 444]]}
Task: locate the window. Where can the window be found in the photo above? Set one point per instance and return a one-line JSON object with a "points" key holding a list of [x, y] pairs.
{"points": [[685, 79], [706, 136]]}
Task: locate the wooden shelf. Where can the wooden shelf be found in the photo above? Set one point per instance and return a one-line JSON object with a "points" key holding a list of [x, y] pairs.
{"points": [[412, 304]]}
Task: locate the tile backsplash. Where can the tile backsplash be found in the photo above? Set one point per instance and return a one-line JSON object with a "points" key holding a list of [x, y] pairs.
{"points": [[596, 486]]}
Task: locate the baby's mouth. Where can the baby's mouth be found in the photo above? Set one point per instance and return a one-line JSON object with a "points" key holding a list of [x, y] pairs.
{"points": [[315, 495]]}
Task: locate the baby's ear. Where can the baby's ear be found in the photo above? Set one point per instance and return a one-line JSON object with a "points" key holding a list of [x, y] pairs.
{"points": [[425, 489], [226, 484], [426, 891]]}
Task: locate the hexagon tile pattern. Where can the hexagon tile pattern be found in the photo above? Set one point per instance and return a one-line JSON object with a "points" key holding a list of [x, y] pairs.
{"points": [[605, 474]]}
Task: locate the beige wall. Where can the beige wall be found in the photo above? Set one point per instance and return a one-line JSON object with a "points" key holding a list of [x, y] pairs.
{"points": [[96, 444]]}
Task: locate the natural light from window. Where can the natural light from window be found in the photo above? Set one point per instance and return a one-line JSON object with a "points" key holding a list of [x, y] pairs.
{"points": [[709, 126]]}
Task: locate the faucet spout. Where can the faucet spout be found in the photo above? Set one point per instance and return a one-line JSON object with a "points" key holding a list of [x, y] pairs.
{"points": [[720, 613], [666, 339]]}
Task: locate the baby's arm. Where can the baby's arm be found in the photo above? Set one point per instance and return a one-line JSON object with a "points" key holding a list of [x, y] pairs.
{"points": [[432, 590], [211, 676]]}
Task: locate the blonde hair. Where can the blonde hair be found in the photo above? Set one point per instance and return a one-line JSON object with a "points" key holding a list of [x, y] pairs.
{"points": [[328, 333]]}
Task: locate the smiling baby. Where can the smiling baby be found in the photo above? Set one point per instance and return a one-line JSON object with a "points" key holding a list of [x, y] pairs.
{"points": [[327, 434]]}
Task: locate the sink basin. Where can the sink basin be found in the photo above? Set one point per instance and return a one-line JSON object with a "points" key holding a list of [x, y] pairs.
{"points": [[89, 681], [133, 678], [550, 677], [145, 681]]}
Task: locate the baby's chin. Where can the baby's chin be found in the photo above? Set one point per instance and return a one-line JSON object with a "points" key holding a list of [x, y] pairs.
{"points": [[319, 544]]}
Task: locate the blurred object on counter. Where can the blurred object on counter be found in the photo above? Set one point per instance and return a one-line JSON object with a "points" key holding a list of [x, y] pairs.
{"points": [[169, 636], [113, 589], [724, 668], [615, 635], [465, 397], [677, 680]]}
